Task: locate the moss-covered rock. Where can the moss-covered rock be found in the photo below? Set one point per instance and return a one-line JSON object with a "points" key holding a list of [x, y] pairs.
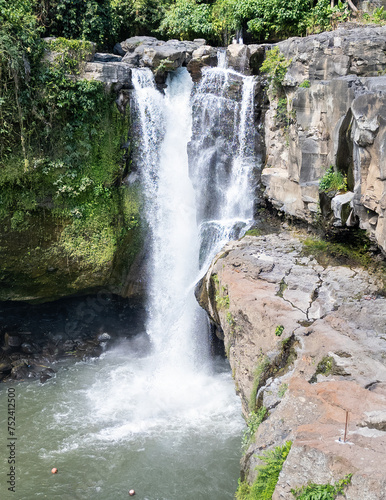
{"points": [[51, 258]]}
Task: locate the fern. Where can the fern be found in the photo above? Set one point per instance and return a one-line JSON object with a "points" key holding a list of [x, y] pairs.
{"points": [[268, 475], [314, 491]]}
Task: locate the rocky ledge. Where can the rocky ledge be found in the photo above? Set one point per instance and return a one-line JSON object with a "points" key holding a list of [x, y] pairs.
{"points": [[307, 342]]}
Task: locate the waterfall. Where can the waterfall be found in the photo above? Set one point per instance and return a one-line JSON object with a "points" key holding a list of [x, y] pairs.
{"points": [[194, 204], [174, 316], [222, 157]]}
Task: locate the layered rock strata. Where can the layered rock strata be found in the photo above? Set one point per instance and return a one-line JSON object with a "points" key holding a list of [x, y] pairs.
{"points": [[307, 342]]}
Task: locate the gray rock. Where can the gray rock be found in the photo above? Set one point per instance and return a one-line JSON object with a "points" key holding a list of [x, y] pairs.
{"points": [[103, 337], [99, 57]]}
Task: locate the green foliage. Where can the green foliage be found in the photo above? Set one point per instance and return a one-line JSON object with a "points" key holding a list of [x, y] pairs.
{"points": [[282, 390], [258, 374], [323, 17], [275, 66], [268, 475], [305, 85], [279, 330], [78, 19], [269, 19], [322, 491], [187, 19], [221, 294], [282, 115], [333, 181], [254, 420], [225, 22], [137, 17], [379, 15]]}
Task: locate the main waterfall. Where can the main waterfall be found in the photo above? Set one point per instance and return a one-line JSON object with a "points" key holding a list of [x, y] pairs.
{"points": [[196, 203]]}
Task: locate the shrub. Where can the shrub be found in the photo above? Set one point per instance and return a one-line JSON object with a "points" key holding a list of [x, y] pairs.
{"points": [[275, 66], [255, 418], [333, 181]]}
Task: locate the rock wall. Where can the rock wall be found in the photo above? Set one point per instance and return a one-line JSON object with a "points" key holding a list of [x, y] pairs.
{"points": [[337, 119], [306, 341]]}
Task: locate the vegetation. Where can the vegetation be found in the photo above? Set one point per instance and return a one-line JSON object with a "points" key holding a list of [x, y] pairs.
{"points": [[322, 491], [268, 475], [221, 296], [305, 85], [254, 420], [333, 181], [326, 367], [352, 252], [61, 160], [107, 21], [275, 66], [261, 367], [282, 390], [279, 330]]}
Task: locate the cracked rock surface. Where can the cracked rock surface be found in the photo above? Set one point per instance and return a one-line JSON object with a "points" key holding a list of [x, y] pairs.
{"points": [[327, 358]]}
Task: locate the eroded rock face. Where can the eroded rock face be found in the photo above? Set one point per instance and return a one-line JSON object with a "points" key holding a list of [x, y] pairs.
{"points": [[339, 120], [308, 342]]}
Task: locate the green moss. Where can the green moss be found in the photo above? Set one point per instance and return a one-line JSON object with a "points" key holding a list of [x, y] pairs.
{"points": [[352, 252], [253, 232], [327, 366]]}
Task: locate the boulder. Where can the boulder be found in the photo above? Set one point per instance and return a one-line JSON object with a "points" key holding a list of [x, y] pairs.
{"points": [[204, 56], [238, 56]]}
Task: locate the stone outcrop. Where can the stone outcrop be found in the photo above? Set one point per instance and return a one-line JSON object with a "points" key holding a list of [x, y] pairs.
{"points": [[149, 52], [337, 118], [307, 341]]}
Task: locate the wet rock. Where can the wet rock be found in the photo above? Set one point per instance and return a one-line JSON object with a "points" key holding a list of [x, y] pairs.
{"points": [[99, 57], [5, 367], [46, 374], [29, 348], [104, 337], [238, 57], [12, 340], [20, 370]]}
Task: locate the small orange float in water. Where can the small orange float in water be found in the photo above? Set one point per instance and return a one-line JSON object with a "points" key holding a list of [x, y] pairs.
{"points": [[54, 470], [131, 493]]}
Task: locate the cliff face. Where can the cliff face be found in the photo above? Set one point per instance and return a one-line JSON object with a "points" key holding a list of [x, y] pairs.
{"points": [[337, 119], [305, 341]]}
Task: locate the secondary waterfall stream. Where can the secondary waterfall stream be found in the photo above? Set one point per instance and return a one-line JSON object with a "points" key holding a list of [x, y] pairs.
{"points": [[159, 416]]}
